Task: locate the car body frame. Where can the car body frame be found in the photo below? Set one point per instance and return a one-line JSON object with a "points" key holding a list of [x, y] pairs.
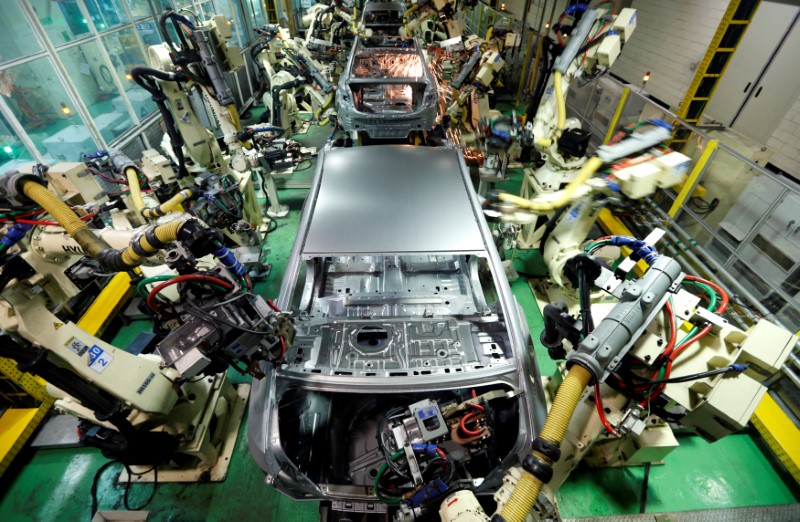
{"points": [[399, 296], [387, 89]]}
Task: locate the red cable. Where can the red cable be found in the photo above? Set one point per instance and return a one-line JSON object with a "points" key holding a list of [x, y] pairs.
{"points": [[273, 305], [673, 330], [151, 297], [283, 347], [471, 415], [106, 177], [441, 453], [463, 425], [725, 300], [600, 411], [87, 217], [673, 338]]}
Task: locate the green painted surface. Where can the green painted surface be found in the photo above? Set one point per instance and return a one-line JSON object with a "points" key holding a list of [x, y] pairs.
{"points": [[55, 484]]}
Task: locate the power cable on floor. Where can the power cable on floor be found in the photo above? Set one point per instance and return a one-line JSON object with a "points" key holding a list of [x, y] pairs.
{"points": [[643, 502]]}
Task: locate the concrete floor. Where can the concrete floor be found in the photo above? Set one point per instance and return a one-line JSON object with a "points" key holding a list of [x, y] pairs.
{"points": [[738, 471]]}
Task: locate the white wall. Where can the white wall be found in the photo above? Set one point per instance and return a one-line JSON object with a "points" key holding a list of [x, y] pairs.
{"points": [[532, 20], [671, 38], [785, 142]]}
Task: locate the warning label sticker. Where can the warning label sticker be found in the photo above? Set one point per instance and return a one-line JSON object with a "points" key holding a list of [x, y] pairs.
{"points": [[77, 346]]}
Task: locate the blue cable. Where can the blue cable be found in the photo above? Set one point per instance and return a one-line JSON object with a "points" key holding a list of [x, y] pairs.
{"points": [[15, 233], [640, 249], [229, 261]]}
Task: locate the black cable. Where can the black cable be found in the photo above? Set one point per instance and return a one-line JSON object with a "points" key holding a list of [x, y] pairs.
{"points": [[131, 473], [95, 481], [298, 169], [585, 295], [696, 376], [643, 501]]}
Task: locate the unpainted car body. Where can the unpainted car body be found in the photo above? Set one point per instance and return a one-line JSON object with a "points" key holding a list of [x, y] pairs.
{"points": [[383, 17], [387, 89], [400, 299]]}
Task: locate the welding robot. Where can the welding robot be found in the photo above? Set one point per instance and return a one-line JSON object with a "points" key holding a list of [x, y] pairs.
{"points": [[626, 373], [173, 408]]}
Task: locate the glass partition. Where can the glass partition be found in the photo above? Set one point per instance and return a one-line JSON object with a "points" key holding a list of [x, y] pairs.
{"points": [[12, 26], [61, 60], [94, 82], [106, 14], [125, 54], [139, 9], [62, 21], [41, 104], [13, 152]]}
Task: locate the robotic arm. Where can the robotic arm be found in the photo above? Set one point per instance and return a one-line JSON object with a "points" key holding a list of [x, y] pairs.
{"points": [[139, 408]]}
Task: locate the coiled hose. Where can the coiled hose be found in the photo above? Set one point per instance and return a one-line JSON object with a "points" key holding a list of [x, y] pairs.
{"points": [[138, 202], [525, 493], [154, 239]]}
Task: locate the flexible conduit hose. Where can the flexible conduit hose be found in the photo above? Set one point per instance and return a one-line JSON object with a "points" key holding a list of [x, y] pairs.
{"points": [[145, 245], [324, 106], [138, 202], [405, 18], [563, 196], [76, 228], [525, 493]]}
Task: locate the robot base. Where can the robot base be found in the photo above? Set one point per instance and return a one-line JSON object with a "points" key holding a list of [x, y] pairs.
{"points": [[201, 448]]}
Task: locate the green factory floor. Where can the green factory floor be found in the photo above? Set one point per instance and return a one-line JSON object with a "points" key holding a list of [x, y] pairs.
{"points": [[45, 485]]}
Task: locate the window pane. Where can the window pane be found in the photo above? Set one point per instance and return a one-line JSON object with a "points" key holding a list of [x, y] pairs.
{"points": [[125, 55], [223, 7], [106, 13], [94, 81], [12, 152], [42, 106], [62, 21], [148, 32], [12, 26], [253, 10], [139, 8]]}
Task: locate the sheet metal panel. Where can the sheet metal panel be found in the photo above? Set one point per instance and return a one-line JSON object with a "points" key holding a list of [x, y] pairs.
{"points": [[392, 199]]}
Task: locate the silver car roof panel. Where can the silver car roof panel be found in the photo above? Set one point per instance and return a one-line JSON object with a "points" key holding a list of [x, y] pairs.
{"points": [[399, 199]]}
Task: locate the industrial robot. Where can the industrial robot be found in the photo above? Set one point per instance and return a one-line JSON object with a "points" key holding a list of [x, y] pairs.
{"points": [[292, 74], [627, 371], [171, 407], [435, 20], [329, 27], [185, 80]]}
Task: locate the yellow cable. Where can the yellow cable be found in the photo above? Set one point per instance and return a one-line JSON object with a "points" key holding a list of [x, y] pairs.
{"points": [[525, 493], [325, 105], [138, 202], [76, 228], [561, 106], [136, 191], [83, 235], [170, 205], [561, 111], [405, 18], [234, 114], [563, 196]]}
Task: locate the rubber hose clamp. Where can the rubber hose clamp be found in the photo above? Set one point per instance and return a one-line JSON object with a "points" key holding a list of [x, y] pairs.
{"points": [[548, 449], [538, 468]]}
